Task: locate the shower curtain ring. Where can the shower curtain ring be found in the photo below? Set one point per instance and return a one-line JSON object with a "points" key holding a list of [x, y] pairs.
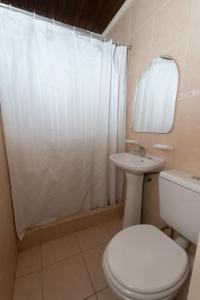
{"points": [[11, 9], [54, 24]]}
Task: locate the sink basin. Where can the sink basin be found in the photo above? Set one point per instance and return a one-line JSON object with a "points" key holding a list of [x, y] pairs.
{"points": [[137, 164], [135, 167]]}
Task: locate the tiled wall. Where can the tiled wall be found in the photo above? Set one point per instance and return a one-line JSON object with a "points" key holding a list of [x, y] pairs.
{"points": [[194, 287], [165, 27], [8, 249]]}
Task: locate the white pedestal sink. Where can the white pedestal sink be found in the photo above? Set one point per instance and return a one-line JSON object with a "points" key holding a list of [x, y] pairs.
{"points": [[135, 167]]}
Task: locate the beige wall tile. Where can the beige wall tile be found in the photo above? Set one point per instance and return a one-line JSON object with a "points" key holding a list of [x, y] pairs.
{"points": [[195, 19], [149, 218], [142, 46], [122, 34], [171, 24], [8, 247], [150, 194], [191, 80], [194, 289], [143, 10]]}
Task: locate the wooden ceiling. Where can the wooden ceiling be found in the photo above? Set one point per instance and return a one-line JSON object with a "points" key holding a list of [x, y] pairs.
{"points": [[92, 15]]}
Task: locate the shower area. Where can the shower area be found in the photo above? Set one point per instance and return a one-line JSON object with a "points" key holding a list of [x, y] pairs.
{"points": [[63, 105]]}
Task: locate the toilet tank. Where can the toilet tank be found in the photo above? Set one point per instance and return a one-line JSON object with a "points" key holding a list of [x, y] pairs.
{"points": [[179, 197]]}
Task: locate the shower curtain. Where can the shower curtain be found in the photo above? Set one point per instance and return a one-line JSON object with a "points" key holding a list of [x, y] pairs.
{"points": [[63, 104]]}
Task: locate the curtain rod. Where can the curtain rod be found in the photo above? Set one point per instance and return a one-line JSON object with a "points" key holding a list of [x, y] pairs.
{"points": [[77, 29]]}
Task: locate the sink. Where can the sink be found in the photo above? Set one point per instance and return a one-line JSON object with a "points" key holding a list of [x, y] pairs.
{"points": [[135, 167], [137, 164]]}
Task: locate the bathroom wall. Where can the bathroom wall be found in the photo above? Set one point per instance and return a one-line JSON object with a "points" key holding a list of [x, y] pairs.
{"points": [[195, 280], [165, 27], [8, 249]]}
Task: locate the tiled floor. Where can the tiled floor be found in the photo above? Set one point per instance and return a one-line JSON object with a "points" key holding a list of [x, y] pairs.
{"points": [[68, 268]]}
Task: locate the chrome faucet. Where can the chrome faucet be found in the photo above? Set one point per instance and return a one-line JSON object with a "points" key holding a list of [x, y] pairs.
{"points": [[141, 151]]}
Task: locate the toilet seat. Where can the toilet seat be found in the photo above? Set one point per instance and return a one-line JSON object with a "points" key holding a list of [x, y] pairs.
{"points": [[141, 262]]}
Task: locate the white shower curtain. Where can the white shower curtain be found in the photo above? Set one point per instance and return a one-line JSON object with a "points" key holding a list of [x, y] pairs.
{"points": [[63, 105]]}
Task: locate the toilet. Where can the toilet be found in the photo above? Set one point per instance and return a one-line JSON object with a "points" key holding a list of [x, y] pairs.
{"points": [[142, 262]]}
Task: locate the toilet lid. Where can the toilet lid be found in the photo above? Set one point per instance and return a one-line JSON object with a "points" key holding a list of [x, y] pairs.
{"points": [[143, 259]]}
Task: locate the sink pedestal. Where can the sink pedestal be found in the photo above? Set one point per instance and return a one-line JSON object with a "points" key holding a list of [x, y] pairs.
{"points": [[133, 201], [135, 166]]}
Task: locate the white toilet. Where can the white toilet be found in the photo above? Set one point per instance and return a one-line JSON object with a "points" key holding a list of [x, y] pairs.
{"points": [[141, 262]]}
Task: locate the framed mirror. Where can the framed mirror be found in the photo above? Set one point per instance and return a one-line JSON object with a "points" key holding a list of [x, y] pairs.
{"points": [[155, 96]]}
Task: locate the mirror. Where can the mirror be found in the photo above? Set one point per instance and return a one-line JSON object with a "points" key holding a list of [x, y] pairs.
{"points": [[155, 96]]}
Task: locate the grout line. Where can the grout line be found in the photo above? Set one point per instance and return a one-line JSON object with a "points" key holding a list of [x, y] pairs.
{"points": [[42, 281], [89, 276], [27, 274], [130, 23], [60, 260], [97, 246], [151, 16], [77, 240], [68, 257], [82, 251], [189, 37], [101, 290], [86, 267], [94, 295]]}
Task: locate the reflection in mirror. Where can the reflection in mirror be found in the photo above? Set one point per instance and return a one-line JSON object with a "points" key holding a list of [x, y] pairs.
{"points": [[155, 96]]}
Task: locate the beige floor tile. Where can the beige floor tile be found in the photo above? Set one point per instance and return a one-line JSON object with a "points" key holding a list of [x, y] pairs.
{"points": [[29, 261], [113, 226], [93, 259], [58, 249], [28, 287], [106, 294], [91, 298], [92, 237], [67, 280]]}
